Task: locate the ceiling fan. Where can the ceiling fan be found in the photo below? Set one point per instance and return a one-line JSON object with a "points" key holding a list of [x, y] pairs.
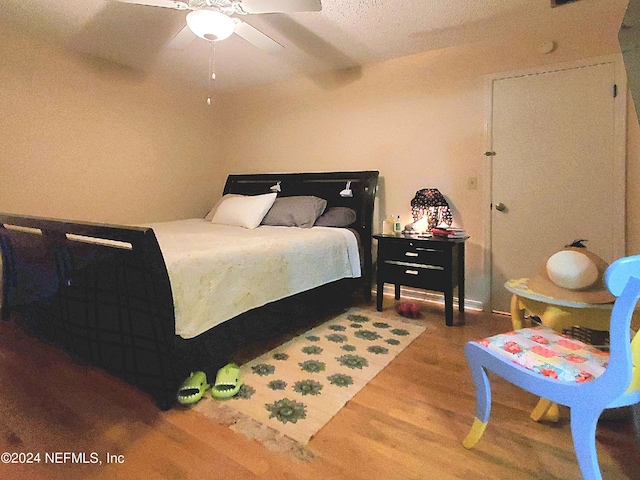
{"points": [[216, 20]]}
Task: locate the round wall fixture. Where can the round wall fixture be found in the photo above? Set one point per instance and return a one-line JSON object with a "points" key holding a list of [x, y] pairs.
{"points": [[547, 47]]}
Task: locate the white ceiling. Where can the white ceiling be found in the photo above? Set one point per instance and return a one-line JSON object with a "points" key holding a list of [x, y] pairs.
{"points": [[345, 34]]}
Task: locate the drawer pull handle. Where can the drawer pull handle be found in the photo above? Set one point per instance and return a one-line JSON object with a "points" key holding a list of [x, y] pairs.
{"points": [[411, 254], [411, 272]]}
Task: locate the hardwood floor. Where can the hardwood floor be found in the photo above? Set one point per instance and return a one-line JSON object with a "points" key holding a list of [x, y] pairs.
{"points": [[408, 423]]}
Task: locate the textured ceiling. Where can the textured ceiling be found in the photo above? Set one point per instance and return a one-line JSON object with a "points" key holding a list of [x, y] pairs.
{"points": [[345, 34]]}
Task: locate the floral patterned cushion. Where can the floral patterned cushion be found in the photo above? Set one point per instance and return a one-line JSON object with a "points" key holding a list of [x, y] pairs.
{"points": [[548, 353]]}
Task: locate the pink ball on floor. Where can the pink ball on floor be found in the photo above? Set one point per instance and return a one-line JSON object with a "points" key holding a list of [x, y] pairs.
{"points": [[408, 309]]}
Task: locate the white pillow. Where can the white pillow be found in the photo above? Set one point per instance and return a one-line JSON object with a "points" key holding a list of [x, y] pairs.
{"points": [[213, 211], [243, 210]]}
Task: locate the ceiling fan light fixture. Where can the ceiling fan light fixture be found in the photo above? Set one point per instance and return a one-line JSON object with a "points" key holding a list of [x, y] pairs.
{"points": [[210, 25]]}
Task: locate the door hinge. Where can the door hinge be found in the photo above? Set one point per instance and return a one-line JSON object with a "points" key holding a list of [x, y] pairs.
{"points": [[615, 90], [489, 154]]}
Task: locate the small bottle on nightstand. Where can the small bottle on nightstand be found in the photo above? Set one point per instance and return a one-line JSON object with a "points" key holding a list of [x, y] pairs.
{"points": [[397, 226]]}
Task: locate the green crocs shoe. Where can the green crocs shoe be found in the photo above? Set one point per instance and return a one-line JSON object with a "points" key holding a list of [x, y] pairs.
{"points": [[193, 388], [227, 382]]}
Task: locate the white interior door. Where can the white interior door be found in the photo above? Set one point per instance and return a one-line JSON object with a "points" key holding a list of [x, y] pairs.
{"points": [[555, 175]]}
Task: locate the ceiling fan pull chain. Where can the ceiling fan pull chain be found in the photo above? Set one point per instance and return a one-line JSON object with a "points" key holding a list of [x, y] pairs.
{"points": [[212, 68], [212, 60]]}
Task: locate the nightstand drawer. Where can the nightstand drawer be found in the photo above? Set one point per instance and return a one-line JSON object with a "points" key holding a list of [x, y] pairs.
{"points": [[414, 253], [413, 275]]}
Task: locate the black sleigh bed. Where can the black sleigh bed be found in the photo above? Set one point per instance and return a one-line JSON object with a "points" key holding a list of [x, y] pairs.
{"points": [[103, 292]]}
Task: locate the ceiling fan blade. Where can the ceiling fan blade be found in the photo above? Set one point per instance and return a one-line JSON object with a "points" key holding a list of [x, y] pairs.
{"points": [[175, 4], [280, 6], [183, 38], [256, 37]]}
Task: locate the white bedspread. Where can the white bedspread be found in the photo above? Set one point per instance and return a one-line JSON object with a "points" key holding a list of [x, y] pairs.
{"points": [[218, 272]]}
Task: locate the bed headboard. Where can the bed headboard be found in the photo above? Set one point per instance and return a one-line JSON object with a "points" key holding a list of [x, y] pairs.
{"points": [[327, 185]]}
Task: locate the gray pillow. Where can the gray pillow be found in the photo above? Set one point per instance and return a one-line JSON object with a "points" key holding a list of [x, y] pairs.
{"points": [[300, 211], [337, 217]]}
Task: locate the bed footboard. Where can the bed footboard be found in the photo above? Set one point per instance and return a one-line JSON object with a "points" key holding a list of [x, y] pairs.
{"points": [[102, 292]]}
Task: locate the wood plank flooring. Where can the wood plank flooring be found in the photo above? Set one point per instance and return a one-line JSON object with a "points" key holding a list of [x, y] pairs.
{"points": [[408, 423]]}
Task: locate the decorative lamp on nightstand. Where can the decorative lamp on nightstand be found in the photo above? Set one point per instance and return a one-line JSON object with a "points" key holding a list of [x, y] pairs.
{"points": [[430, 209]]}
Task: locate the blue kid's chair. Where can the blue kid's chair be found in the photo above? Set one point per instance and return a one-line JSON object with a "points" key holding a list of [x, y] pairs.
{"points": [[567, 371]]}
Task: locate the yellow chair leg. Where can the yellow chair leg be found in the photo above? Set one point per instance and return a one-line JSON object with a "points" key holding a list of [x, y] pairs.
{"points": [[477, 429], [547, 410], [517, 313], [553, 414]]}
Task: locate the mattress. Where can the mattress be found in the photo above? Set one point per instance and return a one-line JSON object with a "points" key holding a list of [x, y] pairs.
{"points": [[218, 271]]}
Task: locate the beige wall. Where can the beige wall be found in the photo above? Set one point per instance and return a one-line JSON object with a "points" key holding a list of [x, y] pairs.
{"points": [[633, 180], [419, 120], [84, 139]]}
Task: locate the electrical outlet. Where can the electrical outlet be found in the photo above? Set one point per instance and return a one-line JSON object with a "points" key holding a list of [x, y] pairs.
{"points": [[472, 183]]}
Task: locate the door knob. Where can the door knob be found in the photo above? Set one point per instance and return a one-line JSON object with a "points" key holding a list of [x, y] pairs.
{"points": [[501, 207]]}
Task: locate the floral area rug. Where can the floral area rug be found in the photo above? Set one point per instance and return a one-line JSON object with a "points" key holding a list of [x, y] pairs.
{"points": [[291, 392]]}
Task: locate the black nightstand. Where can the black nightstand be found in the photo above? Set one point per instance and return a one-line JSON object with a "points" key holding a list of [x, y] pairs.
{"points": [[432, 263]]}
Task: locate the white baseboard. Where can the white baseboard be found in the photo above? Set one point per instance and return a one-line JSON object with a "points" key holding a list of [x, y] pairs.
{"points": [[417, 294]]}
